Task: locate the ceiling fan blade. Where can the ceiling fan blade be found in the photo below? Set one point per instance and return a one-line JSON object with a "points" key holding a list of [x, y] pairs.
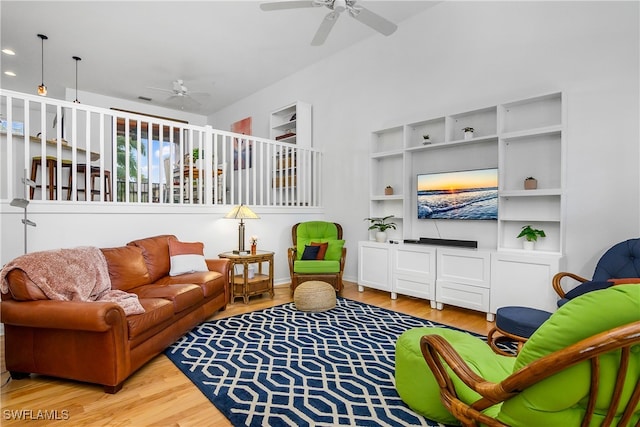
{"points": [[160, 89], [202, 94], [183, 100], [373, 20], [281, 5], [325, 26]]}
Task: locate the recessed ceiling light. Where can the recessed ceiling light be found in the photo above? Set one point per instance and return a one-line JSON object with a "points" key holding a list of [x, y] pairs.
{"points": [[10, 73], [8, 52]]}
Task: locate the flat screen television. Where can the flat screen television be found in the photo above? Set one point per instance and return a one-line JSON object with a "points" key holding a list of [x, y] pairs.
{"points": [[466, 195]]}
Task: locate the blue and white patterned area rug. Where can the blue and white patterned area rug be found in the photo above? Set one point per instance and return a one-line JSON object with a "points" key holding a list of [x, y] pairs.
{"points": [[283, 367]]}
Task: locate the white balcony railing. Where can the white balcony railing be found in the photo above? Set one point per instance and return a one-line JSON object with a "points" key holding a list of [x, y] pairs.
{"points": [[76, 152]]}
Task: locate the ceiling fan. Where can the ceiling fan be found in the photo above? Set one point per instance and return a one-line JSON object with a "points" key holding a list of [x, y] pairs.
{"points": [[180, 92], [371, 19]]}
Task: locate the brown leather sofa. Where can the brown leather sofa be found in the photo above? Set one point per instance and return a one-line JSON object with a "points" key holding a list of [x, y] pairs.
{"points": [[94, 341]]}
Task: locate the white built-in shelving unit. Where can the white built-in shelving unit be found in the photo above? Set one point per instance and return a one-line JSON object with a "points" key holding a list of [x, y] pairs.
{"points": [[521, 138], [292, 126]]}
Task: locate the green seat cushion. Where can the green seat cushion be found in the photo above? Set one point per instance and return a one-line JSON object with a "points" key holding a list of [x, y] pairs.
{"points": [[316, 266], [562, 398], [319, 232], [418, 388]]}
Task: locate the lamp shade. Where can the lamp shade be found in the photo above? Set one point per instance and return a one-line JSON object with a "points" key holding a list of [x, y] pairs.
{"points": [[241, 212]]}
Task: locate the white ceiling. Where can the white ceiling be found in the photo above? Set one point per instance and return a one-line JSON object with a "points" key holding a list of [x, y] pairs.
{"points": [[225, 50]]}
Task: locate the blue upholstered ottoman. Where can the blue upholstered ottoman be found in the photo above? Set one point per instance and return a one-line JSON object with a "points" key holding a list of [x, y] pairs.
{"points": [[517, 324]]}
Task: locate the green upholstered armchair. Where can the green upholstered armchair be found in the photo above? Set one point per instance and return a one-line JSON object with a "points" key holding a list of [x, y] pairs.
{"points": [[328, 260], [581, 367]]}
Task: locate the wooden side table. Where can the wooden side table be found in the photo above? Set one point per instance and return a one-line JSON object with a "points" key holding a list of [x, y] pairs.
{"points": [[243, 286]]}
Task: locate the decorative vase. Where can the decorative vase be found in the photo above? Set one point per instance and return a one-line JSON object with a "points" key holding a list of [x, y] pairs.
{"points": [[528, 245], [468, 135], [530, 184], [254, 248], [388, 191], [381, 236]]}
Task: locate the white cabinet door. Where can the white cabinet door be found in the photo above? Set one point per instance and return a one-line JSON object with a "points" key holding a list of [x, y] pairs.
{"points": [[414, 271], [524, 280], [463, 278], [374, 265]]}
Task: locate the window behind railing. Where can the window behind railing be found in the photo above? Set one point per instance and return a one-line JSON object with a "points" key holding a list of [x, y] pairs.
{"points": [[94, 154]]}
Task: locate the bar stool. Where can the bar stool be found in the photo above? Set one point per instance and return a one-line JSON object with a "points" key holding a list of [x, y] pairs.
{"points": [[51, 163], [95, 173]]}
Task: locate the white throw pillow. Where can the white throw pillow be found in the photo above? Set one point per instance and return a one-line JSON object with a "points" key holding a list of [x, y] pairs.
{"points": [[186, 257]]}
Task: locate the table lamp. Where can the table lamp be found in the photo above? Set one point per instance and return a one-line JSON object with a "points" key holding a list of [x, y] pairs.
{"points": [[241, 212]]}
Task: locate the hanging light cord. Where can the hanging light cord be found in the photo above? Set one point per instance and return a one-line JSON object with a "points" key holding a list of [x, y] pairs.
{"points": [[77, 58], [42, 39], [42, 61]]}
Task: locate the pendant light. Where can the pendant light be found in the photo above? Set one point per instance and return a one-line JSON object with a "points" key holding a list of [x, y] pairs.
{"points": [[42, 89], [77, 59]]}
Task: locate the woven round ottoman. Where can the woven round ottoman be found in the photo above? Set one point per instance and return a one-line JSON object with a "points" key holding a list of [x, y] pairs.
{"points": [[314, 296]]}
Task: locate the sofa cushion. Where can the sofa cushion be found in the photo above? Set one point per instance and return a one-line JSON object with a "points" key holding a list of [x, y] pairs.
{"points": [[22, 288], [155, 251], [186, 257], [127, 268], [210, 281], [183, 296], [157, 311]]}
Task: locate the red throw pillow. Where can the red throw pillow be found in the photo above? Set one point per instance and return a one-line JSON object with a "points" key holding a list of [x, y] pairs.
{"points": [[322, 250]]}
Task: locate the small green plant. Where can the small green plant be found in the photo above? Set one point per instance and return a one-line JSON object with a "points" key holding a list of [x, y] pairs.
{"points": [[381, 224], [467, 129], [195, 154], [531, 234]]}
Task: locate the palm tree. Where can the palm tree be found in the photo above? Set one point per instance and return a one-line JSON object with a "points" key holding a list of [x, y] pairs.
{"points": [[133, 157]]}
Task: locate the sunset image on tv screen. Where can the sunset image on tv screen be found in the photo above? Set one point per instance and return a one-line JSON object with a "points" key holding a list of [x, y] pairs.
{"points": [[471, 194]]}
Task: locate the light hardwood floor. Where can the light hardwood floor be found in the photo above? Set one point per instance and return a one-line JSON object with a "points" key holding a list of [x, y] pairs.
{"points": [[159, 394]]}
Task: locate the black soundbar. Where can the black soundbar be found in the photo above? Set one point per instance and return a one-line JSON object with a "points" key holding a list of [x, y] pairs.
{"points": [[444, 242]]}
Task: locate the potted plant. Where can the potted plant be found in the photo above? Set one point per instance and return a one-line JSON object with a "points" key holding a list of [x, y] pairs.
{"points": [[388, 191], [197, 162], [530, 183], [530, 235], [426, 139], [468, 132], [381, 225]]}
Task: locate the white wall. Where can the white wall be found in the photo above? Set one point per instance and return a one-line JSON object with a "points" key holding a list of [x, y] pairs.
{"points": [[68, 225], [458, 56]]}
